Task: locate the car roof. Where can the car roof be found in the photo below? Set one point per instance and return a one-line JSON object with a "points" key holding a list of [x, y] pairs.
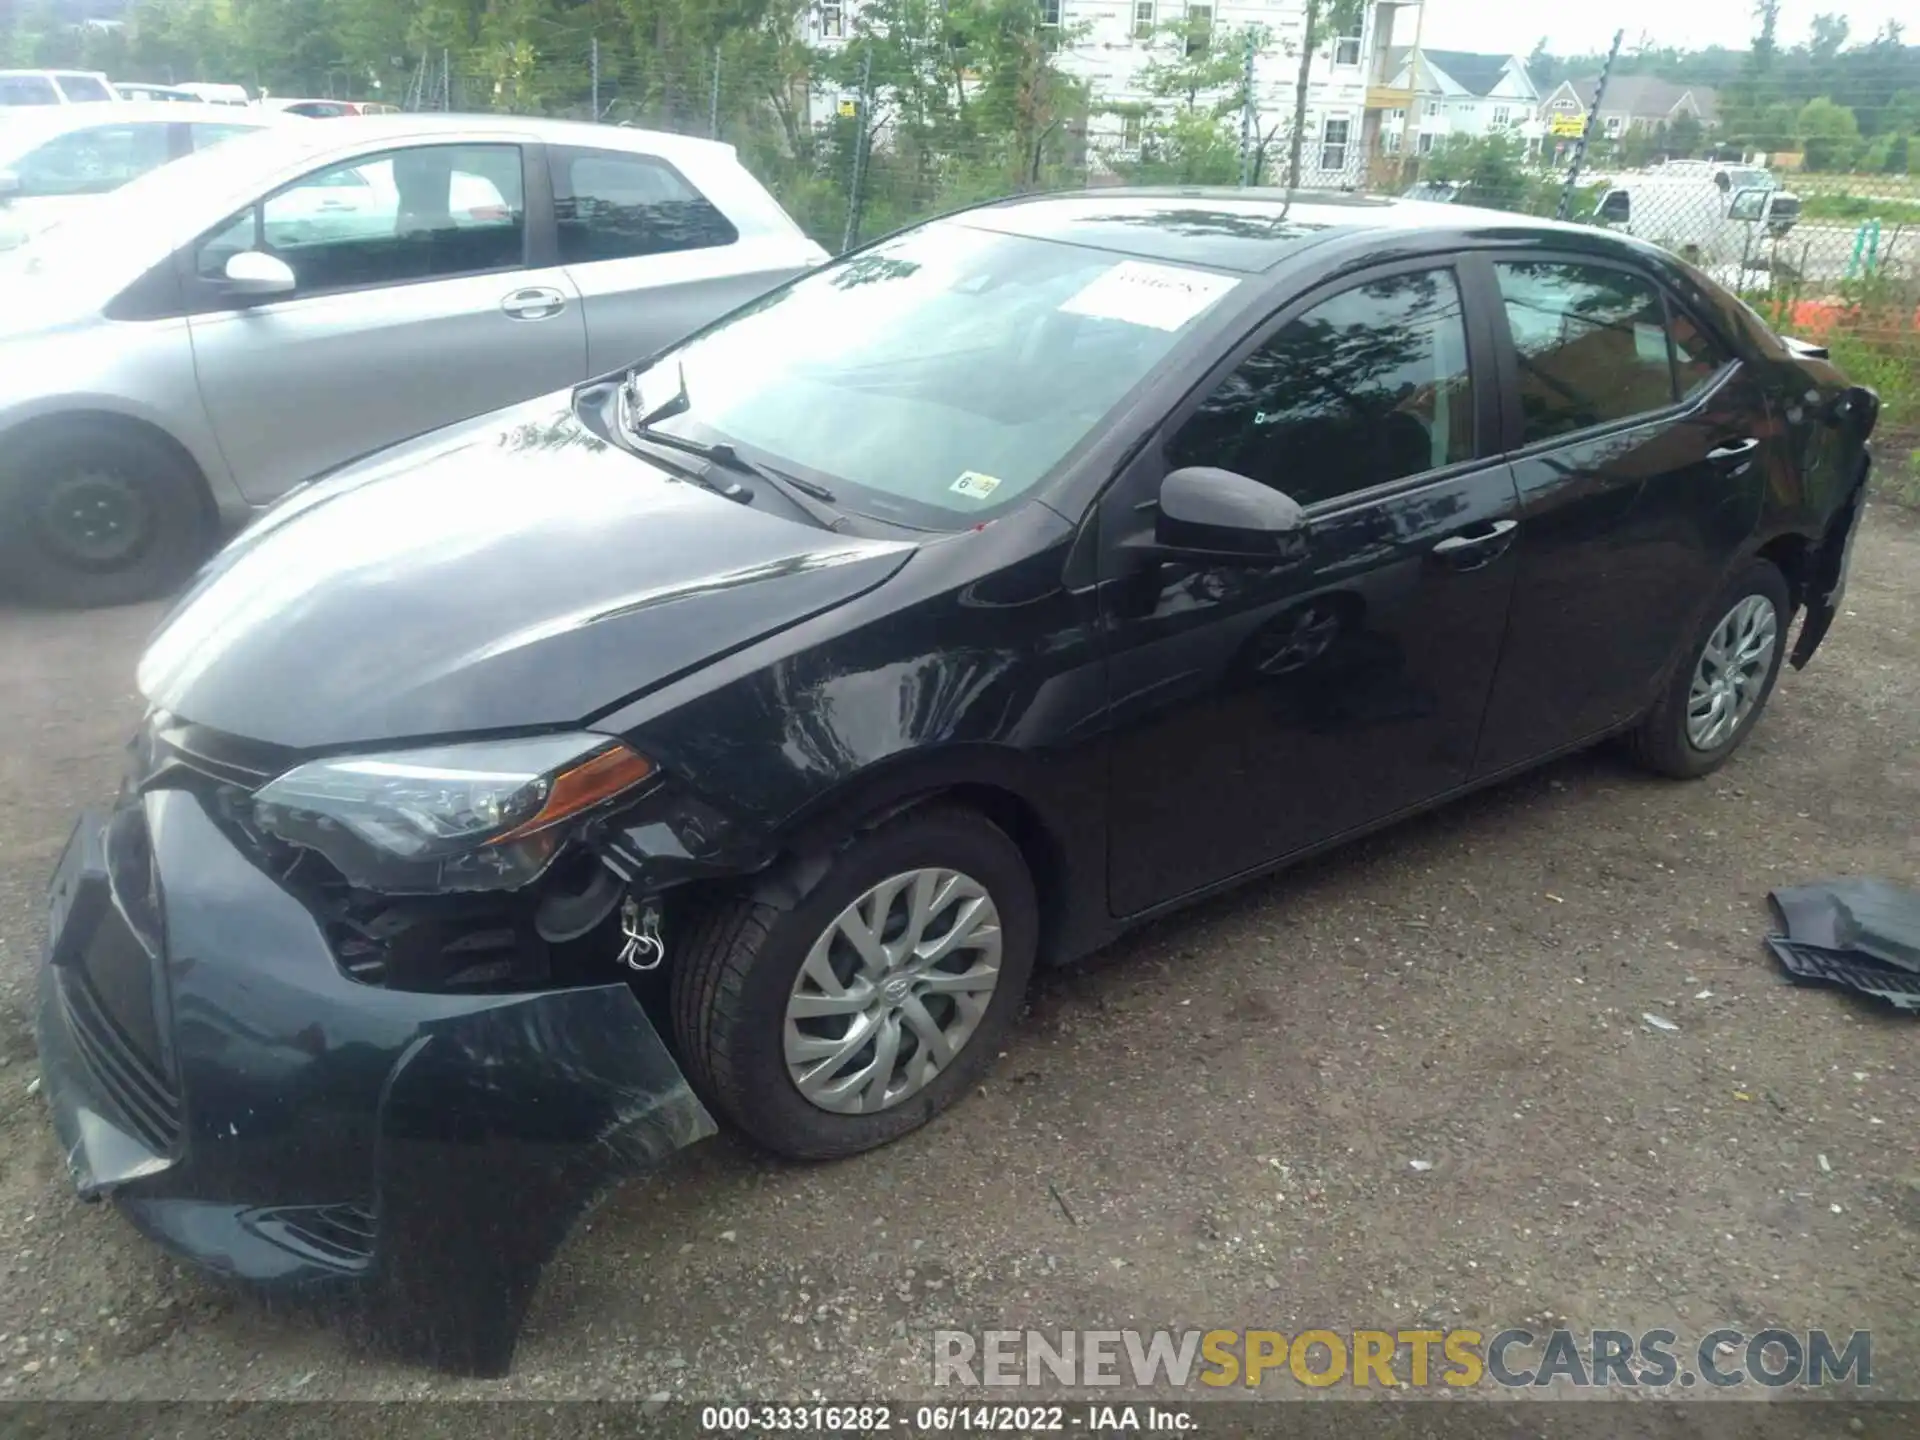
{"points": [[45, 121], [1255, 230], [346, 130]]}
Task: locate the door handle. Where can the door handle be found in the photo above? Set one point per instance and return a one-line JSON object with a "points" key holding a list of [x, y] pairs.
{"points": [[536, 302], [1482, 546], [1734, 450]]}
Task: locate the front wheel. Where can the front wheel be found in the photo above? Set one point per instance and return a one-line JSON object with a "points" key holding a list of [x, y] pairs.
{"points": [[98, 516], [1719, 691], [862, 1011]]}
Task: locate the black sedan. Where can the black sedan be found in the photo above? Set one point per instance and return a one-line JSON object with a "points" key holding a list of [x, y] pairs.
{"points": [[990, 590]]}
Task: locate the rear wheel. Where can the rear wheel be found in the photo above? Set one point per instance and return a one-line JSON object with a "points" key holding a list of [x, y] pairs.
{"points": [[857, 1014], [98, 516], [1718, 693]]}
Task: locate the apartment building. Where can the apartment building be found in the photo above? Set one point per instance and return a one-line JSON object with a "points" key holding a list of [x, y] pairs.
{"points": [[1114, 42], [1453, 93]]}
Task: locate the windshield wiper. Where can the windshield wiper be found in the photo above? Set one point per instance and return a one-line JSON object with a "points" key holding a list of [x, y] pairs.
{"points": [[720, 453]]}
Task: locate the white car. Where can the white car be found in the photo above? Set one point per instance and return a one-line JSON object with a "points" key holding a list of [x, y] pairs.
{"points": [[224, 328], [57, 161], [147, 90], [53, 87]]}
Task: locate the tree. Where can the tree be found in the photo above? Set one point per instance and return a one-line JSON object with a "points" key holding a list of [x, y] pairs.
{"points": [[1323, 18], [1199, 79], [1830, 134], [1685, 136]]}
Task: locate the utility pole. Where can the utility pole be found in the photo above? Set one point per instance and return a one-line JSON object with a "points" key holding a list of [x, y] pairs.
{"points": [[1593, 121], [593, 58], [1247, 118], [860, 137]]}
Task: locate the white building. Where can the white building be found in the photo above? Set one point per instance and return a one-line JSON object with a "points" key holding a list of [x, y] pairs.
{"points": [[1115, 41], [1457, 92]]}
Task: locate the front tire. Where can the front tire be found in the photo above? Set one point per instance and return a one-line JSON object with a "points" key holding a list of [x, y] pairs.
{"points": [[98, 516], [1718, 693], [847, 1019]]}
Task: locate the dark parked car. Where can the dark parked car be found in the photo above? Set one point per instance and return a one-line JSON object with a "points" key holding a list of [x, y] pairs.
{"points": [[952, 608]]}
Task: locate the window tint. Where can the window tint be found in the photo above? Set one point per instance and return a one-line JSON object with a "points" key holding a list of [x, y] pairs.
{"points": [[92, 161], [610, 206], [84, 87], [1369, 387], [416, 214], [27, 90], [1697, 356], [1592, 346]]}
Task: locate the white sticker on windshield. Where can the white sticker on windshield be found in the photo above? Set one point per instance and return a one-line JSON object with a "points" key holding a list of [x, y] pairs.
{"points": [[1163, 297], [975, 486]]}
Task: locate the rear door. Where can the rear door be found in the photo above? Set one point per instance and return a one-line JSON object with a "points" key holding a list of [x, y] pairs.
{"points": [[426, 295], [1642, 451], [1262, 709], [653, 256]]}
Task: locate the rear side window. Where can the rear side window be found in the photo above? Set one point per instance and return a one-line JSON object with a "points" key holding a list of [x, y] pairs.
{"points": [[92, 161], [206, 133], [610, 206], [423, 213], [1368, 387], [27, 90], [80, 88], [1592, 345]]}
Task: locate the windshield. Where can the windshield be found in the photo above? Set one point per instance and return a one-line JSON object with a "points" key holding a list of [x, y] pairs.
{"points": [[1750, 178], [940, 375]]}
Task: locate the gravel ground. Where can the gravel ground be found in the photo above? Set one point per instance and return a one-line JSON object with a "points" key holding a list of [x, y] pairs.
{"points": [[1214, 1124]]}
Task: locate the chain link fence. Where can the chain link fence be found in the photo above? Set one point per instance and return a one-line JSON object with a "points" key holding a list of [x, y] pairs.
{"points": [[1790, 178]]}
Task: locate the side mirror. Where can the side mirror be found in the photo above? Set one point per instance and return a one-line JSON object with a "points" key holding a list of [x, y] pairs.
{"points": [[1616, 208], [9, 185], [254, 275], [1212, 514]]}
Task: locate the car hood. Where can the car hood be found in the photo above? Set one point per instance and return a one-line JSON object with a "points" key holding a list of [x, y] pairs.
{"points": [[515, 572]]}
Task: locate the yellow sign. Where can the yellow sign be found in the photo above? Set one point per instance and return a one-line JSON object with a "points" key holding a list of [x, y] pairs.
{"points": [[1571, 127], [849, 109]]}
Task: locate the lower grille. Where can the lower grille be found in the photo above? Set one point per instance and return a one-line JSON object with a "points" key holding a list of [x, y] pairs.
{"points": [[134, 1085], [338, 1236]]}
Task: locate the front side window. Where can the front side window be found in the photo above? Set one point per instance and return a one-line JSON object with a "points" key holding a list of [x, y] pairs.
{"points": [[940, 374], [611, 206], [1592, 345], [1369, 387], [425, 213], [91, 161], [84, 89], [27, 90], [1698, 358]]}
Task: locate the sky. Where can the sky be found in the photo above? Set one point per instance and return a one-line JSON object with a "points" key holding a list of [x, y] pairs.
{"points": [[1512, 26]]}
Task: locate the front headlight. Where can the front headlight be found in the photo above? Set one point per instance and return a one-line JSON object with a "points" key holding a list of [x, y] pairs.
{"points": [[484, 816]]}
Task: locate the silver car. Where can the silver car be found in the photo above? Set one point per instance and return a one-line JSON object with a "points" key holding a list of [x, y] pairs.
{"points": [[58, 160], [234, 323]]}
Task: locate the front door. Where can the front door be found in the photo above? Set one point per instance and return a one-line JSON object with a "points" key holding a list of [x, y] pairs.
{"points": [[414, 309], [1642, 462], [1260, 710]]}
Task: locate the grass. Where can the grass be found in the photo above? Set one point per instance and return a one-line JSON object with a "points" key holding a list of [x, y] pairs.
{"points": [[1875, 338], [1860, 207]]}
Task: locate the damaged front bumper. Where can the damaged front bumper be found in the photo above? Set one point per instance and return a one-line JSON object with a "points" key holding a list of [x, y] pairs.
{"points": [[414, 1159]]}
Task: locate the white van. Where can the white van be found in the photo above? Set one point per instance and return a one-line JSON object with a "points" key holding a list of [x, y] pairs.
{"points": [[1708, 212], [53, 87]]}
